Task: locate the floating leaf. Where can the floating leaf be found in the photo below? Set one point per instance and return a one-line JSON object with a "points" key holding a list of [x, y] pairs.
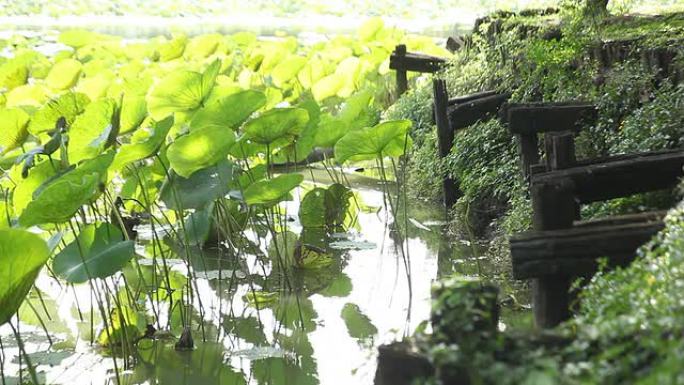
{"points": [[144, 143], [64, 74], [13, 132], [27, 95], [200, 149], [200, 188], [385, 139], [181, 91], [271, 190], [230, 111], [99, 251], [22, 255], [78, 38], [202, 46], [275, 124]]}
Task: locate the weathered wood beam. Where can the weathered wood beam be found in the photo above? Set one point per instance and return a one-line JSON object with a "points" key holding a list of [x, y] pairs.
{"points": [[574, 251], [401, 60], [548, 117], [445, 138], [614, 179], [473, 110]]}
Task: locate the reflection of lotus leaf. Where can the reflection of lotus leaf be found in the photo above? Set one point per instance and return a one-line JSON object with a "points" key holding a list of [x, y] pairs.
{"points": [[353, 245]]}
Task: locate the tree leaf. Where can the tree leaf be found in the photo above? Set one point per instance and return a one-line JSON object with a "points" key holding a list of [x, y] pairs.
{"points": [[22, 255], [230, 111], [145, 143], [200, 149], [385, 139], [104, 253], [64, 74], [271, 190], [13, 132], [181, 91]]}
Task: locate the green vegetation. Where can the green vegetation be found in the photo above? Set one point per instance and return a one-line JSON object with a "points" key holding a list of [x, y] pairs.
{"points": [[198, 141], [627, 323]]}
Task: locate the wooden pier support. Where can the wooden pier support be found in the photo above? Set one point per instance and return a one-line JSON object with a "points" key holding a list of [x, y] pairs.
{"points": [[402, 61]]}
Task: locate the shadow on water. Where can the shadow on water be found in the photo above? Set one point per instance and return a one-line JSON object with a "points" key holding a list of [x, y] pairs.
{"points": [[324, 329]]}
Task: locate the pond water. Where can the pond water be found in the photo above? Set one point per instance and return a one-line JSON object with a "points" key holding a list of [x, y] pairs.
{"points": [[318, 326]]}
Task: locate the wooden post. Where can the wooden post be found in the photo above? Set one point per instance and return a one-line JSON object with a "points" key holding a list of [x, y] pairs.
{"points": [[445, 138], [402, 80], [529, 152]]}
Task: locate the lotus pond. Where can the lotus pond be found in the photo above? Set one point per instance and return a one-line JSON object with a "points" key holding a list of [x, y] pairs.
{"points": [[217, 209]]}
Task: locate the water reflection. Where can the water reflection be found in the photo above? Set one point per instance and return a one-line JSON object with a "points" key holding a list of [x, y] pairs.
{"points": [[253, 322]]}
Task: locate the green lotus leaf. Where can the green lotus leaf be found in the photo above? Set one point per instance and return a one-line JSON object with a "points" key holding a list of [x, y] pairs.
{"points": [[60, 196], [13, 132], [230, 111], [98, 252], [59, 201], [281, 249], [327, 87], [385, 139], [358, 324], [64, 74], [202, 46], [275, 124], [13, 74], [323, 207], [200, 149], [23, 192], [32, 95], [272, 190], [68, 106], [172, 49], [133, 112], [197, 226], [202, 187], [95, 87], [90, 133], [144, 143], [370, 29], [78, 38], [330, 130], [181, 91], [22, 255], [287, 70]]}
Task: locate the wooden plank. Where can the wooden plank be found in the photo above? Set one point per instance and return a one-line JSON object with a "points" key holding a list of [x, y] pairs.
{"points": [[445, 138], [535, 248], [547, 117], [560, 150], [551, 301], [470, 112], [471, 97], [416, 62], [402, 79], [528, 151], [620, 178], [617, 220]]}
